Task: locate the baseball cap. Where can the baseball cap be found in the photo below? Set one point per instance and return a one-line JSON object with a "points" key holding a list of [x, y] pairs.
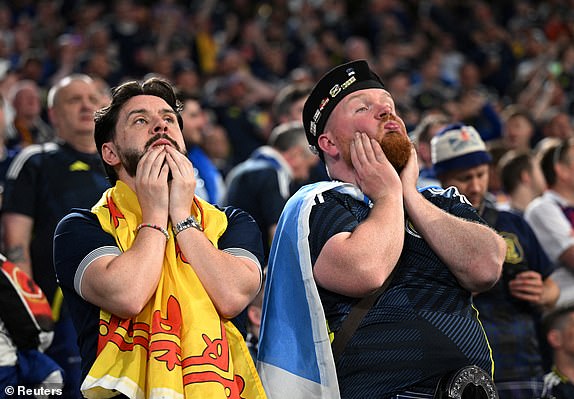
{"points": [[330, 90], [458, 146]]}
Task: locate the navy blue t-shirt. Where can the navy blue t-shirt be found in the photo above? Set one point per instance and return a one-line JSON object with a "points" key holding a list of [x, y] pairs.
{"points": [[79, 239], [45, 182], [511, 324]]}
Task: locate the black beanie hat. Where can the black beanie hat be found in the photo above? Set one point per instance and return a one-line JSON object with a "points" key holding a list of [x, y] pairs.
{"points": [[332, 88]]}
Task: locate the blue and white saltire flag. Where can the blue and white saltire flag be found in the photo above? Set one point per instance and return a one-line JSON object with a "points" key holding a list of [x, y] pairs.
{"points": [[295, 359]]}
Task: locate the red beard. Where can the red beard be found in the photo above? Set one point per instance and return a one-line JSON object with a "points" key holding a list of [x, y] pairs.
{"points": [[397, 147]]}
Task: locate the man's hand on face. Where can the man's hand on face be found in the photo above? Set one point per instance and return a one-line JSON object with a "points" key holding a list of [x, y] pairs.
{"points": [[410, 173], [375, 175], [181, 186], [151, 186]]}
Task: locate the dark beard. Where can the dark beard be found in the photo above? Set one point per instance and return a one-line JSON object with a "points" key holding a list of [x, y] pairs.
{"points": [[130, 160], [130, 157], [397, 147]]}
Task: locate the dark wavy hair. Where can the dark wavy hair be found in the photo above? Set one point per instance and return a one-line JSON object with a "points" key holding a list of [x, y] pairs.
{"points": [[107, 117]]}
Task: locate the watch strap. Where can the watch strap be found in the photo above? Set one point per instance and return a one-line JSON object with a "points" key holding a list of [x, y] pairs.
{"points": [[186, 223]]}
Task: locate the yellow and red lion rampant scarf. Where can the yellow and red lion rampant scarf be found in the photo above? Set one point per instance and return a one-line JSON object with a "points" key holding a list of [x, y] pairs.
{"points": [[178, 346]]}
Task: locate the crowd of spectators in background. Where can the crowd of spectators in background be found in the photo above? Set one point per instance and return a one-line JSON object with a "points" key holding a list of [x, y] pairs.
{"points": [[237, 55]]}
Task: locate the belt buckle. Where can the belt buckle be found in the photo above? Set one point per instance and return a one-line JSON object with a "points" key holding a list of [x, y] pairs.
{"points": [[466, 376]]}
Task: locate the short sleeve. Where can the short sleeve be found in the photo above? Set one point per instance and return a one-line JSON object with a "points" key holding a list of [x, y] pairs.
{"points": [[332, 214], [242, 236], [21, 189], [453, 202], [78, 240]]}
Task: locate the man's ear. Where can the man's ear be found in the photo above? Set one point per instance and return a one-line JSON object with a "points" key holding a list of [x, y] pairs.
{"points": [[561, 170], [291, 153], [554, 338], [525, 176], [327, 145], [254, 315], [52, 117], [424, 151], [110, 154]]}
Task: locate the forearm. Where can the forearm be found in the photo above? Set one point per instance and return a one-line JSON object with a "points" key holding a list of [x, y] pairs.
{"points": [[17, 235], [230, 281], [123, 285], [473, 252], [19, 254]]}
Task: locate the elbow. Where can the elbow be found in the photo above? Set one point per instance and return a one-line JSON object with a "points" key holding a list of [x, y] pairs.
{"points": [[370, 284], [128, 307], [490, 267], [232, 303], [365, 281], [487, 280], [364, 285], [499, 257], [129, 312], [376, 275], [229, 312], [372, 274], [232, 308], [126, 313]]}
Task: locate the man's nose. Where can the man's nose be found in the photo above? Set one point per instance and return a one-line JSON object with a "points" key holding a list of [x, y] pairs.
{"points": [[475, 186], [160, 126], [383, 111]]}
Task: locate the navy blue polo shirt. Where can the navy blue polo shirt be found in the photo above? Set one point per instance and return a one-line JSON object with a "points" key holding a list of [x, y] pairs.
{"points": [[45, 182]]}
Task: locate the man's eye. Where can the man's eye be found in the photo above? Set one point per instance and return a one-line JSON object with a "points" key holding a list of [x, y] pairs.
{"points": [[169, 119], [139, 121], [362, 108]]}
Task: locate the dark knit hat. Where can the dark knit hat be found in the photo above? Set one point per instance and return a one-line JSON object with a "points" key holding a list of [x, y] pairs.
{"points": [[332, 88], [458, 146]]}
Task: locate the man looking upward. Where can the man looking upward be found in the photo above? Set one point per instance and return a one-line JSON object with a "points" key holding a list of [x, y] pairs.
{"points": [[348, 236]]}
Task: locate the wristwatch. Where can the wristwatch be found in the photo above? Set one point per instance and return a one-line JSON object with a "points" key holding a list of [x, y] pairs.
{"points": [[186, 223]]}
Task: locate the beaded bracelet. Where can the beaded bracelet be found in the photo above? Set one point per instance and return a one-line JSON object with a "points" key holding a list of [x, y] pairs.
{"points": [[154, 226]]}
